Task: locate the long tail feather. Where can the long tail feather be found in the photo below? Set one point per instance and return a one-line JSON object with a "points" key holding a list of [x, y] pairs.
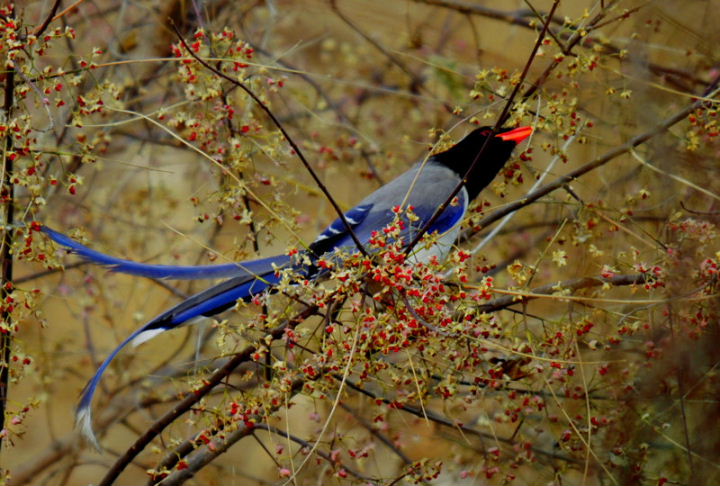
{"points": [[83, 412], [206, 303], [179, 272]]}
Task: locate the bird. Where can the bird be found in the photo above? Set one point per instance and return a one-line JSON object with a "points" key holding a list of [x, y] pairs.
{"points": [[425, 187]]}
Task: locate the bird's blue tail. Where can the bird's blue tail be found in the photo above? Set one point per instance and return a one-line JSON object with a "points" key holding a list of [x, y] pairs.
{"points": [[178, 272], [206, 303], [83, 413], [246, 280]]}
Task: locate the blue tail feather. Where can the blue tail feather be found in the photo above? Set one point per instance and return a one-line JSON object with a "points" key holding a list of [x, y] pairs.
{"points": [[83, 412], [179, 272], [206, 303], [221, 297]]}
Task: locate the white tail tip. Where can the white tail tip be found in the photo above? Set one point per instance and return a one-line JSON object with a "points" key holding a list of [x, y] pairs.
{"points": [[83, 423], [146, 336]]}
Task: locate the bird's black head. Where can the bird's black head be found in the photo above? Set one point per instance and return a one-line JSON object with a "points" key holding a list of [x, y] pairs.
{"points": [[499, 147]]}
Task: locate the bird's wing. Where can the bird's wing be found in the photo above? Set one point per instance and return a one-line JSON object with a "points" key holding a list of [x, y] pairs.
{"points": [[448, 219], [425, 192], [179, 272], [338, 231]]}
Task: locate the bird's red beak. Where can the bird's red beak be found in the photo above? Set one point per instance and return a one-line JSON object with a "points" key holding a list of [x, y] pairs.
{"points": [[516, 135]]}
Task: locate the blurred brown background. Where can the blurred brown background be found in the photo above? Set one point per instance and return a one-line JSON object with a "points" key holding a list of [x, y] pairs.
{"points": [[365, 86]]}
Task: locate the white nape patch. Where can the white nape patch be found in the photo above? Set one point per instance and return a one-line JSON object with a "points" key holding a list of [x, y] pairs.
{"points": [[83, 423], [145, 336]]}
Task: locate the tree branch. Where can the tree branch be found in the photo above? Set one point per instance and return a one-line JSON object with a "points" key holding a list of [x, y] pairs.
{"points": [[287, 136], [574, 284], [8, 235], [600, 161], [195, 396]]}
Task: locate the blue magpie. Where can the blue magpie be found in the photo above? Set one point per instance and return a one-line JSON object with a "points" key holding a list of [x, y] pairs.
{"points": [[426, 186]]}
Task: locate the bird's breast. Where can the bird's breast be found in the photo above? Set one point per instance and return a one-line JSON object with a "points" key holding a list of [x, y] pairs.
{"points": [[441, 249]]}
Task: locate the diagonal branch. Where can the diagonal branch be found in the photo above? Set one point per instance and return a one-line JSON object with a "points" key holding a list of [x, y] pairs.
{"points": [[600, 161], [574, 284], [287, 136], [194, 397], [447, 422]]}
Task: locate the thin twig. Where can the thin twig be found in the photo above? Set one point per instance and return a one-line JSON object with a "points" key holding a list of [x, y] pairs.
{"points": [[287, 136], [51, 16], [49, 271], [681, 376], [373, 430], [322, 454]]}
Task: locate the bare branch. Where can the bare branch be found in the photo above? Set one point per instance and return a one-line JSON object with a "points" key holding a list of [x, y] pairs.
{"points": [[574, 284]]}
